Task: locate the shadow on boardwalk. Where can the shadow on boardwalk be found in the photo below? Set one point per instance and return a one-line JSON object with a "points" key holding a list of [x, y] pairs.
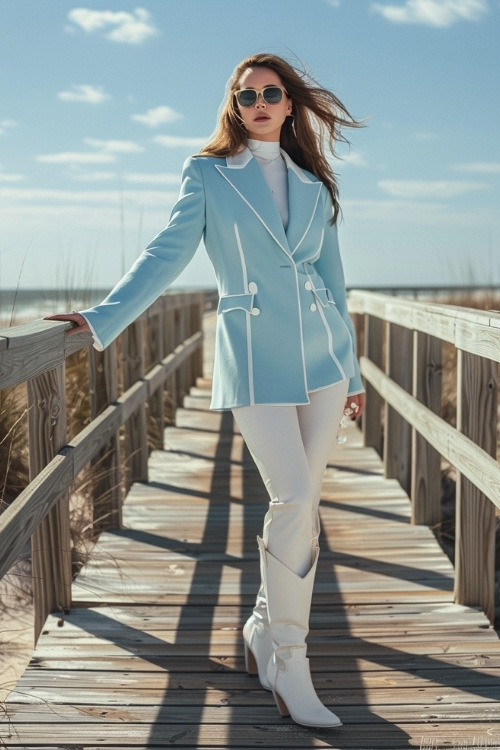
{"points": [[152, 655]]}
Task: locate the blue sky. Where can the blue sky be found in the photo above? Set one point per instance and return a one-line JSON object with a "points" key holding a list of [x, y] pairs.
{"points": [[100, 104]]}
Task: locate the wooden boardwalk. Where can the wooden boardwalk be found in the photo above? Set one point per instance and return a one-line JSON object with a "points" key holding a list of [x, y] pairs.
{"points": [[151, 656]]}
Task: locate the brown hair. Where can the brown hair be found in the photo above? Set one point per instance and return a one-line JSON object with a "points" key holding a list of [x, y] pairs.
{"points": [[316, 113]]}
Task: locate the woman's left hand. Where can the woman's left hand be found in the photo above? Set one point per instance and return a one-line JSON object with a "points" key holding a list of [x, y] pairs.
{"points": [[354, 405]]}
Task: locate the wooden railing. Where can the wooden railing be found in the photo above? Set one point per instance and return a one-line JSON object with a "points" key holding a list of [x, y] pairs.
{"points": [[401, 344], [161, 350]]}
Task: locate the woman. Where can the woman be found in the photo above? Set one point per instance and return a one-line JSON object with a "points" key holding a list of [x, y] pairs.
{"points": [[264, 198]]}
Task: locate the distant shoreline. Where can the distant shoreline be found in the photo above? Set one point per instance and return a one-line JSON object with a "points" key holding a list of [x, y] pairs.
{"points": [[33, 303], [25, 304]]}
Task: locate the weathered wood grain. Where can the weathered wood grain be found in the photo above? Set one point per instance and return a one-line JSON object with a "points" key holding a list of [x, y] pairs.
{"points": [[136, 449], [374, 351], [477, 402], [397, 431], [425, 490], [51, 543], [463, 453], [474, 331], [106, 464]]}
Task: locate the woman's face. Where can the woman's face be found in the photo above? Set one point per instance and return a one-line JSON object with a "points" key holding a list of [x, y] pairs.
{"points": [[263, 121]]}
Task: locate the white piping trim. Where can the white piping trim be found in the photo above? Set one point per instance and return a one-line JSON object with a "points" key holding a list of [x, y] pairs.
{"points": [[255, 212], [328, 333], [251, 393], [97, 341], [297, 170], [330, 385], [301, 328]]}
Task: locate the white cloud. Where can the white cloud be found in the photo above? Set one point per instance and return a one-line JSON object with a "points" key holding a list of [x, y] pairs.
{"points": [[118, 26], [76, 157], [114, 147], [84, 93], [174, 141], [421, 212], [9, 177], [334, 3], [161, 178], [485, 167], [94, 176], [6, 125], [10, 198], [439, 13], [353, 158], [157, 116], [440, 189]]}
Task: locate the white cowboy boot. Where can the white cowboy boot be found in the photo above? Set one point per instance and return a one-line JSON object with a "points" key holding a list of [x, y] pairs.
{"points": [[289, 603]]}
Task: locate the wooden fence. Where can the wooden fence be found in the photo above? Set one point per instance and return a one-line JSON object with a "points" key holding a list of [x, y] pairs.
{"points": [[401, 345], [161, 350]]}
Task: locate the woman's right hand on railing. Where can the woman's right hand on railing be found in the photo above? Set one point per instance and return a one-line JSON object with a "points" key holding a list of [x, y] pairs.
{"points": [[81, 324]]}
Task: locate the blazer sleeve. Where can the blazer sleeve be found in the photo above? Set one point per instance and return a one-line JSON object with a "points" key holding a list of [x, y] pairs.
{"points": [[157, 266], [329, 267]]}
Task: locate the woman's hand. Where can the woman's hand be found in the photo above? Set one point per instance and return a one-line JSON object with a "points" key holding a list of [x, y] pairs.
{"points": [[354, 405], [81, 324]]}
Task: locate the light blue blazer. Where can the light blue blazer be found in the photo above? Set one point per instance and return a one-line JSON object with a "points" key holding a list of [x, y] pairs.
{"points": [[283, 329]]}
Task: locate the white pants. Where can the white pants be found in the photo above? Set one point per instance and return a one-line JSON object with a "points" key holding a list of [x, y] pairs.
{"points": [[290, 446]]}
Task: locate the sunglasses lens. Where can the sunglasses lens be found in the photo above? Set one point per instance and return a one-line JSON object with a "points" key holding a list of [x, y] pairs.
{"points": [[272, 94], [246, 97]]}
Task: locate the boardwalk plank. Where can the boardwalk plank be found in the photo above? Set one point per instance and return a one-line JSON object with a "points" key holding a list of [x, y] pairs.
{"points": [[152, 656]]}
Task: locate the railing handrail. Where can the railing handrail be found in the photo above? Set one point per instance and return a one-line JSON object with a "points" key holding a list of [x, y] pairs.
{"points": [[401, 363], [40, 345], [468, 329]]}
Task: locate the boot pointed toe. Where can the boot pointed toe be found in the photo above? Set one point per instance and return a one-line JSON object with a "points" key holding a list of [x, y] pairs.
{"points": [[289, 676]]}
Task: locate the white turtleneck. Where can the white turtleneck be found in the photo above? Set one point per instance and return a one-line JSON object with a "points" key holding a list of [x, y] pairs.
{"points": [[268, 156]]}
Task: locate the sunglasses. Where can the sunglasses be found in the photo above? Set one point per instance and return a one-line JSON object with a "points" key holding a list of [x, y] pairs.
{"points": [[270, 94]]}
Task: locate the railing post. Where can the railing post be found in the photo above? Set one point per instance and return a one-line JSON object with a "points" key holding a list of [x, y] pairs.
{"points": [[426, 461], [169, 344], [477, 399], [371, 420], [106, 466], [51, 542], [154, 354], [197, 325], [182, 374], [397, 435], [136, 434]]}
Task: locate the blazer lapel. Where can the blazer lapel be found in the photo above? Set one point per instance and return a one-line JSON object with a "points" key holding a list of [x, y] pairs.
{"points": [[245, 176], [303, 197]]}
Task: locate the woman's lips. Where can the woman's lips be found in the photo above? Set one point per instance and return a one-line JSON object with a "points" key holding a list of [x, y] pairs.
{"points": [[262, 118]]}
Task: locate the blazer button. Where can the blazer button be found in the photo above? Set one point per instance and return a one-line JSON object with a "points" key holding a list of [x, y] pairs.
{"points": [[313, 307], [252, 287], [308, 286], [255, 311]]}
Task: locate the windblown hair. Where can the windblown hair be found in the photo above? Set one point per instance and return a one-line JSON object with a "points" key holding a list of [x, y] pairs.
{"points": [[316, 123]]}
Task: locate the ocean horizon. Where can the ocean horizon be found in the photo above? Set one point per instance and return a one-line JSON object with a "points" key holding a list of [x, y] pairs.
{"points": [[22, 305]]}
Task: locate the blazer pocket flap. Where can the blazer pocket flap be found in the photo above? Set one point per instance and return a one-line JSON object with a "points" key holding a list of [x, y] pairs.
{"points": [[324, 297], [235, 302]]}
